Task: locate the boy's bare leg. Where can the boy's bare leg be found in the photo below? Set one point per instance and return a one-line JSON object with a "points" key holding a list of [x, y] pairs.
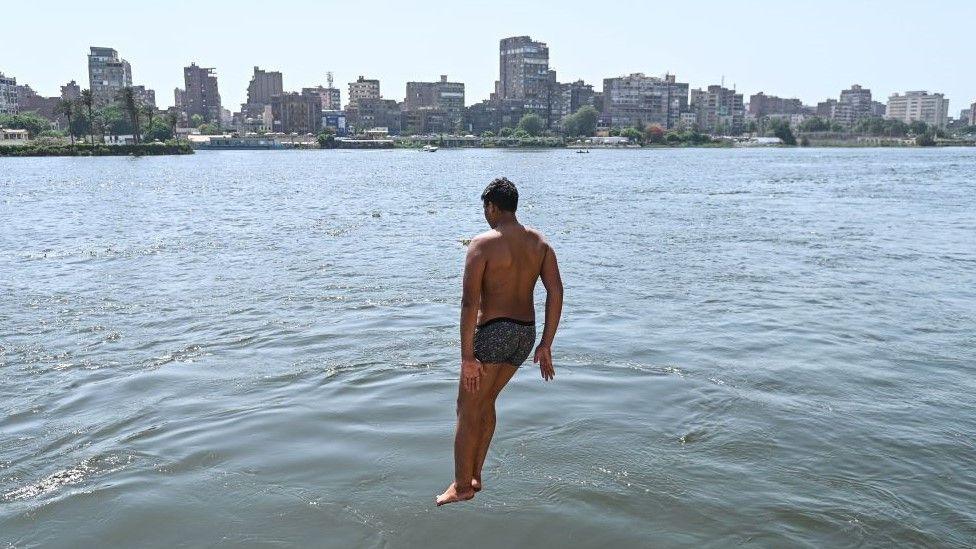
{"points": [[467, 436], [505, 372]]}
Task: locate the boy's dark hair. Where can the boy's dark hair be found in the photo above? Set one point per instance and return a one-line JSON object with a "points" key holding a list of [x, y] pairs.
{"points": [[502, 193]]}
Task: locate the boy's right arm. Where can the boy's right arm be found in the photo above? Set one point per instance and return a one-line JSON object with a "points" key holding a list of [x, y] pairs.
{"points": [[554, 306]]}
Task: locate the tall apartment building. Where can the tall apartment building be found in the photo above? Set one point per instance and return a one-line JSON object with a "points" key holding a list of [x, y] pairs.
{"points": [[826, 108], [933, 109], [854, 105], [8, 94], [718, 109], [577, 95], [296, 113], [523, 72], [373, 112], [878, 109], [329, 97], [570, 97], [363, 88], [597, 101], [761, 104], [972, 114], [441, 101], [442, 94], [637, 100], [71, 91], [107, 74], [200, 94], [263, 86]]}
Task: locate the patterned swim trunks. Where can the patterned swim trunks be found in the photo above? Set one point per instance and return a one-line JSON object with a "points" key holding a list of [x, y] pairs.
{"points": [[504, 339]]}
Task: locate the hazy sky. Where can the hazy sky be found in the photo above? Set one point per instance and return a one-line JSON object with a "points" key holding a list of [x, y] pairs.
{"points": [[790, 48]]}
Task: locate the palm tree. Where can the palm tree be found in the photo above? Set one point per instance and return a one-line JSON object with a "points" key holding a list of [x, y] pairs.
{"points": [[67, 108], [88, 100], [150, 113], [173, 120], [131, 105]]}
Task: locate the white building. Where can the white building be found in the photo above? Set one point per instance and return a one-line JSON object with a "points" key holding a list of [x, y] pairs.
{"points": [[13, 137], [933, 109]]}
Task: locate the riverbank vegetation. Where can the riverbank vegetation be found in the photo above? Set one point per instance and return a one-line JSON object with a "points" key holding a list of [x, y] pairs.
{"points": [[883, 132], [50, 147]]}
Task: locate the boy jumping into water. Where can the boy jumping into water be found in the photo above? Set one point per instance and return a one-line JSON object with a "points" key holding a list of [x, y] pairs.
{"points": [[500, 272]]}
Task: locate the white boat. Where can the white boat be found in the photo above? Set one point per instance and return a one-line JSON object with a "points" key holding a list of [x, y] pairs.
{"points": [[429, 148]]}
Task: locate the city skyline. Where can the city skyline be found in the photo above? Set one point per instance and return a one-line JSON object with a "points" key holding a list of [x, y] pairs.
{"points": [[395, 54]]}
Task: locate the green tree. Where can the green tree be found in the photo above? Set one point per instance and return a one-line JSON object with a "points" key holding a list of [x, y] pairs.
{"points": [[66, 108], [196, 121], [580, 123], [505, 132], [521, 134], [88, 100], [130, 102], [570, 126], [895, 128], [688, 137], [632, 134], [113, 121], [925, 140], [30, 121], [487, 134], [531, 124], [326, 138], [149, 112], [209, 129], [158, 130], [172, 119], [870, 126], [80, 125], [587, 118], [917, 127], [815, 124], [781, 129]]}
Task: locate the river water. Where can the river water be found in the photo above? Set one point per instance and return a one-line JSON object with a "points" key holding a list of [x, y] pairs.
{"points": [[762, 347]]}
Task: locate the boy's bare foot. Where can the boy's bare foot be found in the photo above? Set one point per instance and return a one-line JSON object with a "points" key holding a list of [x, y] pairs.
{"points": [[476, 484], [452, 494]]}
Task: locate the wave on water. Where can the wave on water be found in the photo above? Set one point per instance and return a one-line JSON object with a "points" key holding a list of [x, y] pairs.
{"points": [[94, 466]]}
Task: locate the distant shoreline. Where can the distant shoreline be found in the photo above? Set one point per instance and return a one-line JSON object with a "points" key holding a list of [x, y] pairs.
{"points": [[99, 149], [171, 149]]}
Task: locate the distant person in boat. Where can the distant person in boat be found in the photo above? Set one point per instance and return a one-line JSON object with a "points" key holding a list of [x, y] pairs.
{"points": [[498, 326]]}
